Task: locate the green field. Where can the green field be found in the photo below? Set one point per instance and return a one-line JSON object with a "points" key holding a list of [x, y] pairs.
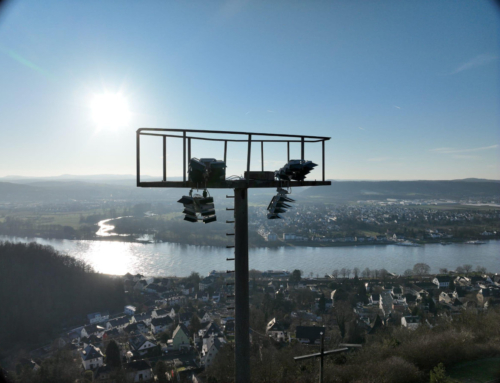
{"points": [[478, 371]]}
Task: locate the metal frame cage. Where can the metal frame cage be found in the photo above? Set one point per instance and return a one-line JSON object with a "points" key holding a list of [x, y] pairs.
{"points": [[187, 136]]}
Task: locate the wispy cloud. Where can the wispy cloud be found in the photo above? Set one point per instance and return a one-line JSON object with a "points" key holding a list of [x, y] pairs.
{"points": [[475, 62], [465, 157], [359, 127], [397, 107], [453, 150], [379, 159]]}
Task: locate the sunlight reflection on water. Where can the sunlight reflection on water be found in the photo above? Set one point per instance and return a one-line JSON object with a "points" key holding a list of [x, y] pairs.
{"points": [[113, 257]]}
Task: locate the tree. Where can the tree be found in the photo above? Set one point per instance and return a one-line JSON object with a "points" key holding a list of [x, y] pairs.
{"points": [[460, 270], [322, 303], [438, 375], [467, 268], [342, 314], [296, 276], [356, 272], [113, 357], [443, 270], [421, 269], [343, 272], [366, 273], [348, 272], [195, 324], [160, 371], [408, 273], [335, 273], [481, 269]]}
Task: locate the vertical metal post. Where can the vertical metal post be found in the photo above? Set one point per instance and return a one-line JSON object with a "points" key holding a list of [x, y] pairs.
{"points": [[323, 166], [189, 149], [138, 154], [249, 153], [288, 151], [262, 154], [321, 357], [302, 149], [184, 157], [242, 312], [164, 158], [225, 152]]}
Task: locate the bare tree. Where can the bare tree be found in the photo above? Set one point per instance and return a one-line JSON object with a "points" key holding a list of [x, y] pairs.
{"points": [[343, 272], [467, 268], [335, 273], [481, 269], [375, 273], [444, 270], [342, 314], [348, 272], [460, 270], [421, 269], [383, 273], [408, 272], [366, 273], [356, 272]]}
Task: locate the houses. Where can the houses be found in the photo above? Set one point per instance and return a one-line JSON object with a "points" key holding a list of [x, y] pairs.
{"points": [[410, 322], [141, 344], [118, 323], [129, 310], [309, 334], [91, 329], [374, 299], [205, 283], [139, 371], [210, 350], [144, 317], [275, 330], [211, 330], [98, 317], [442, 281], [180, 338], [92, 357], [159, 325]]}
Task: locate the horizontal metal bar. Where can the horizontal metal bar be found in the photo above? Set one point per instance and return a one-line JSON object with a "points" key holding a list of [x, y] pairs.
{"points": [[230, 196], [229, 271], [350, 345], [229, 208], [229, 259], [140, 130], [229, 233], [229, 296], [229, 308], [225, 140], [229, 283], [319, 354], [231, 184], [229, 246], [230, 222]]}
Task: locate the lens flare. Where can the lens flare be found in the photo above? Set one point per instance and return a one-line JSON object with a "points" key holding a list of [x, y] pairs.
{"points": [[110, 110]]}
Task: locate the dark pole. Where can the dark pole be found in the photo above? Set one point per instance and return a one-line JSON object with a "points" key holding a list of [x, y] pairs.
{"points": [[184, 157], [189, 150], [302, 148], [242, 312], [321, 358], [323, 166], [138, 148], [164, 158], [288, 151], [248, 154], [262, 153], [225, 152]]}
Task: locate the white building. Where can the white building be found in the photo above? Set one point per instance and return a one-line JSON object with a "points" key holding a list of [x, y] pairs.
{"points": [[129, 310], [92, 357], [410, 322]]}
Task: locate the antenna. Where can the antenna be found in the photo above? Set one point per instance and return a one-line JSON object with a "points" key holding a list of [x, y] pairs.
{"points": [[210, 173]]}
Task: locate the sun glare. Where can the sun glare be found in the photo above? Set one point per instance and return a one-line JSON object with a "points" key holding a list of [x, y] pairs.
{"points": [[110, 110]]}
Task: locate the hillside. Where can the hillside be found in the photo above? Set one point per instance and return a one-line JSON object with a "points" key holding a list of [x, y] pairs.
{"points": [[41, 291], [380, 190]]}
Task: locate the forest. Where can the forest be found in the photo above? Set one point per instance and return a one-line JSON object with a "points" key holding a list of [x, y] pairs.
{"points": [[44, 293]]}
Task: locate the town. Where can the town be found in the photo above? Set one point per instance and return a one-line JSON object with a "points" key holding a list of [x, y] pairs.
{"points": [[182, 329]]}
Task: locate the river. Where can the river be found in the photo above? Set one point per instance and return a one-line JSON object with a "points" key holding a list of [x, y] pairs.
{"points": [[169, 259]]}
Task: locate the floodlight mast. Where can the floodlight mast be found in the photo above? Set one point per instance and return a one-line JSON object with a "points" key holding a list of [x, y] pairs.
{"points": [[240, 186]]}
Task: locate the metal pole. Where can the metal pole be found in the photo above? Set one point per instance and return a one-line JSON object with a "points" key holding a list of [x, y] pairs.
{"points": [[321, 358], [262, 153], [248, 154], [164, 158], [138, 148], [225, 152], [288, 151], [323, 166], [189, 150], [242, 312], [184, 157], [302, 149]]}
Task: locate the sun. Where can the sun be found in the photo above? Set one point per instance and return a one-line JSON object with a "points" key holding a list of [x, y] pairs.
{"points": [[110, 110]]}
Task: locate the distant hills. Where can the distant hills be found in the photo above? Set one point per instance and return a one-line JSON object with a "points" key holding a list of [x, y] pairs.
{"points": [[69, 188], [380, 190]]}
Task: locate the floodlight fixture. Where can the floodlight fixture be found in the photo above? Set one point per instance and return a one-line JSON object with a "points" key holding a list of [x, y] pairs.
{"points": [[278, 204], [295, 170], [197, 204]]}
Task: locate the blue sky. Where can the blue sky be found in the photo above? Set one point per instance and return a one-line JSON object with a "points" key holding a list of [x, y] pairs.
{"points": [[406, 90]]}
